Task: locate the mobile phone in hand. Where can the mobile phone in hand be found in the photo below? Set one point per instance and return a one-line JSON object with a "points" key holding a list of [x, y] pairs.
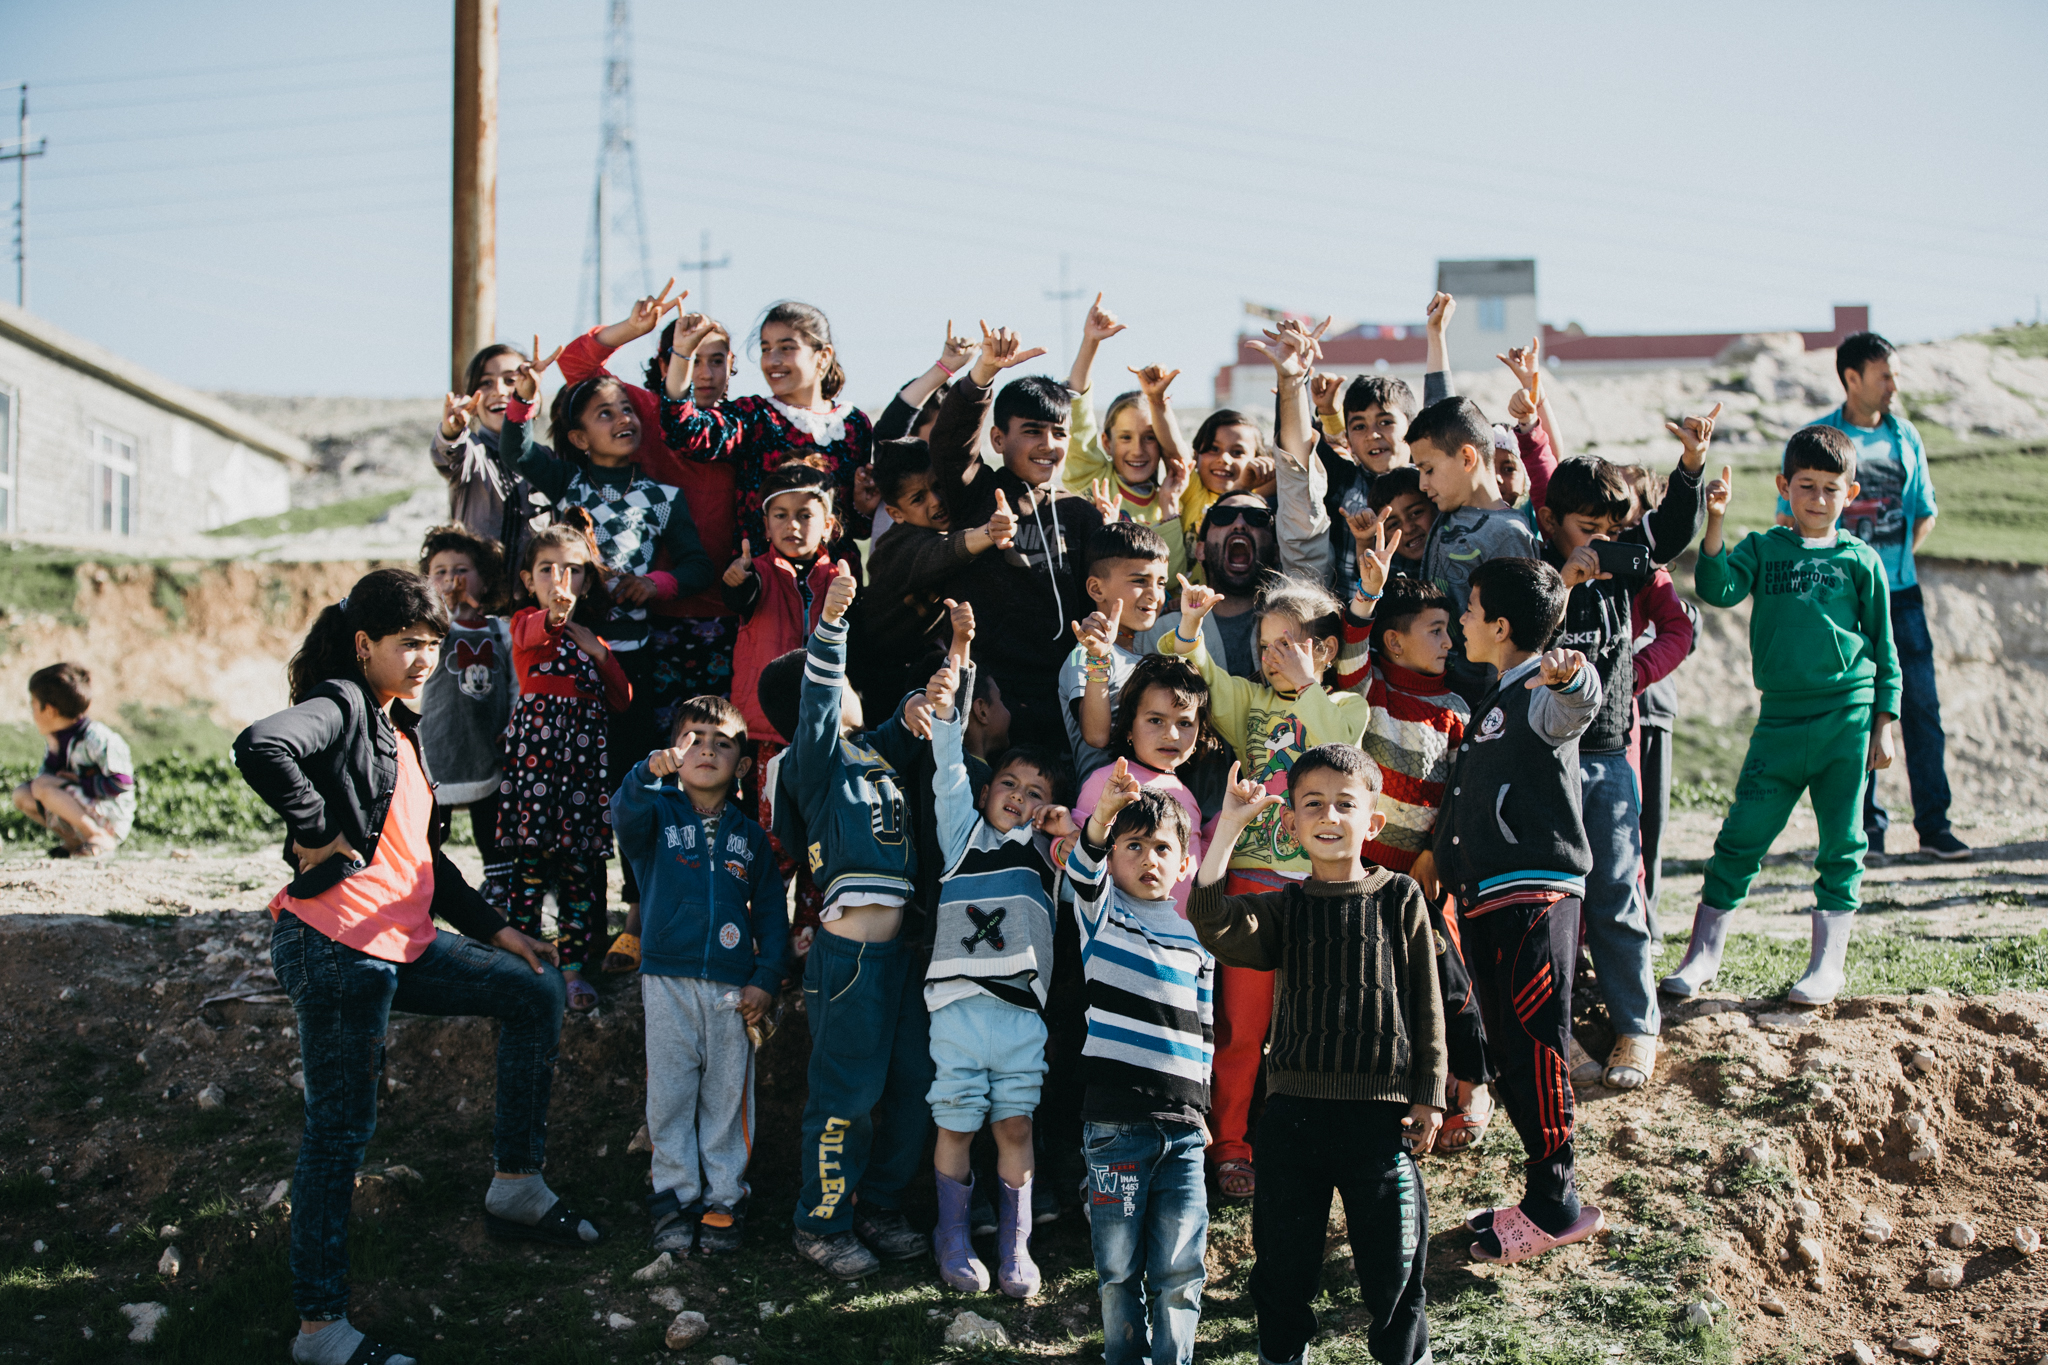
{"points": [[1622, 559]]}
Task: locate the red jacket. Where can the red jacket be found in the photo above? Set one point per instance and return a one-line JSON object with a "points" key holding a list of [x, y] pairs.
{"points": [[778, 625], [708, 489], [533, 642], [1657, 604]]}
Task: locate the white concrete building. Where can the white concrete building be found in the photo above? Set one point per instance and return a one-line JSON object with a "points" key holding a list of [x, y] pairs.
{"points": [[1496, 307], [95, 448]]}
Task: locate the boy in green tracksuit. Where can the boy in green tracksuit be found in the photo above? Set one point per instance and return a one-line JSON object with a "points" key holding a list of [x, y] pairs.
{"points": [[1821, 638]]}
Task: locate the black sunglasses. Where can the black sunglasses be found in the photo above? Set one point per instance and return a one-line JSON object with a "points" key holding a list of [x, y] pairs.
{"points": [[1253, 518]]}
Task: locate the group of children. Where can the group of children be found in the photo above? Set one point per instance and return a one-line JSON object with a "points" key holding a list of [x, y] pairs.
{"points": [[1129, 778]]}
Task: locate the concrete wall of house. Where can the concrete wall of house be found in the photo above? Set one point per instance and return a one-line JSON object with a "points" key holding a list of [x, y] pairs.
{"points": [[187, 475]]}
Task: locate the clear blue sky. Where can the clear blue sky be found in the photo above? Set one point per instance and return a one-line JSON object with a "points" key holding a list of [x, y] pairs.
{"points": [[255, 195]]}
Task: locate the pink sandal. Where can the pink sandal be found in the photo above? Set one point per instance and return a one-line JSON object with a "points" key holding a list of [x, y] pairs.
{"points": [[1522, 1240]]}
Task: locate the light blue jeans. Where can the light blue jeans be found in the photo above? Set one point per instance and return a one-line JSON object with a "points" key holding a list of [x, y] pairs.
{"points": [[1148, 1215], [1617, 925]]}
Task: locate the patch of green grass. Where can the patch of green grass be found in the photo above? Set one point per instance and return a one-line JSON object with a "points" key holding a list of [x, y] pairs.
{"points": [[1706, 756], [36, 581], [2027, 338], [351, 512], [42, 1307], [25, 1192], [1881, 963], [179, 799], [188, 731]]}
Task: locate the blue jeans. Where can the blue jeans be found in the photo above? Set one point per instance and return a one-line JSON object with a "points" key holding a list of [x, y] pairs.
{"points": [[344, 999], [1926, 744], [1148, 1215], [1616, 922], [866, 1119]]}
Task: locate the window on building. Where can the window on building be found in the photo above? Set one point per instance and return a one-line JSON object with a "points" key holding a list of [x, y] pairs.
{"points": [[1493, 313], [113, 481], [7, 459]]}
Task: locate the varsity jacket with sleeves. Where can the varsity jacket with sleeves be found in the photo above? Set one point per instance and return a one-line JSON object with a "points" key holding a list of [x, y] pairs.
{"points": [[992, 932], [1357, 1012], [856, 836], [1512, 817], [712, 903], [1151, 997]]}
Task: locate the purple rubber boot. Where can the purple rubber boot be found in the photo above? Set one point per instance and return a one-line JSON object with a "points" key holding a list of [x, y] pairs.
{"points": [[1016, 1272], [959, 1267]]}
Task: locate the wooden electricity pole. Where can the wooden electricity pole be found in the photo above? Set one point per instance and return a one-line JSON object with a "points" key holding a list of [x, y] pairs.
{"points": [[473, 321]]}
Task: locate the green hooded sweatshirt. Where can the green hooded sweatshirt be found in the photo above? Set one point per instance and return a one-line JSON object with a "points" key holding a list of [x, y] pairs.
{"points": [[1820, 635]]}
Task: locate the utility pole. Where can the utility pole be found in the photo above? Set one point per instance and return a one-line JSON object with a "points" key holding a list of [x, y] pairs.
{"points": [[473, 316], [1066, 298], [618, 168], [19, 152], [704, 265]]}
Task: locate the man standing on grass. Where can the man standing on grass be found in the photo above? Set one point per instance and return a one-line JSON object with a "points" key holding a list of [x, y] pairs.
{"points": [[1893, 513]]}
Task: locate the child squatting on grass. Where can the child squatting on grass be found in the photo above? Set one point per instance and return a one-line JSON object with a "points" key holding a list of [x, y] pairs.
{"points": [[85, 794]]}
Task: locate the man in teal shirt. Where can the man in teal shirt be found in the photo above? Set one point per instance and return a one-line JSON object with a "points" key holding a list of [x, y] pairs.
{"points": [[1893, 515]]}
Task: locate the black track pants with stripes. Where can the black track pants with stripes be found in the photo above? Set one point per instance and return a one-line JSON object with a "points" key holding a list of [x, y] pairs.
{"points": [[1521, 957]]}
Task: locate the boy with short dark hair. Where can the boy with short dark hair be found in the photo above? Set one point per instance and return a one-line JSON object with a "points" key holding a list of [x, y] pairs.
{"points": [[85, 794], [1145, 1071], [714, 946], [1511, 845], [1451, 443], [992, 957], [1353, 1095], [1583, 506], [1397, 500], [838, 798], [1033, 587], [1127, 581], [1820, 638]]}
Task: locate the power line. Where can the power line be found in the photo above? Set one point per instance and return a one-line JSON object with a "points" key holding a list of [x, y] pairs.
{"points": [[20, 152], [618, 171], [704, 265]]}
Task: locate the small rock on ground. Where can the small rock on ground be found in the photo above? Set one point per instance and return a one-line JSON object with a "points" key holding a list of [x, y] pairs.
{"points": [[660, 1268], [972, 1329], [171, 1262], [1924, 1347], [619, 1322], [687, 1330], [668, 1299], [144, 1317]]}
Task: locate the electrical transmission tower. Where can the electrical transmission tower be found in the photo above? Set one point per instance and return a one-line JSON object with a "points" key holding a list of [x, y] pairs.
{"points": [[615, 257], [1065, 297]]}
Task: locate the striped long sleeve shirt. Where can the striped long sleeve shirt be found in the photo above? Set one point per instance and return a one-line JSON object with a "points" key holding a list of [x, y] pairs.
{"points": [[1151, 990], [1415, 727]]}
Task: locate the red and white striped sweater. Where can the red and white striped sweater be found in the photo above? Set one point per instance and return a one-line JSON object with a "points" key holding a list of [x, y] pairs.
{"points": [[1416, 724]]}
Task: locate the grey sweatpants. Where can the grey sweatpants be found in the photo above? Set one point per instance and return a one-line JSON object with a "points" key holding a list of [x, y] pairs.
{"points": [[700, 1088]]}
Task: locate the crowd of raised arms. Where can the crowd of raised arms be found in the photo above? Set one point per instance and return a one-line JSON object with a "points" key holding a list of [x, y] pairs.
{"points": [[1083, 780]]}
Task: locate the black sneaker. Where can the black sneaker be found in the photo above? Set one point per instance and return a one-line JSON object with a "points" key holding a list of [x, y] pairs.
{"points": [[838, 1254], [889, 1234], [1945, 846], [675, 1233], [718, 1231]]}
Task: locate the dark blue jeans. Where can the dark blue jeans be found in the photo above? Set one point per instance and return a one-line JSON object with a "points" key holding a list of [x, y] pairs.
{"points": [[1919, 725], [866, 1118], [1148, 1217], [344, 999]]}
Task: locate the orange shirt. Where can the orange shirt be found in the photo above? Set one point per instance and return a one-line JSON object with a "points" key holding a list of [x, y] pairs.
{"points": [[383, 910]]}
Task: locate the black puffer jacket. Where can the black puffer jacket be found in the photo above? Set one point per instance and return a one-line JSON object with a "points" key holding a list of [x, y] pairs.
{"points": [[329, 766]]}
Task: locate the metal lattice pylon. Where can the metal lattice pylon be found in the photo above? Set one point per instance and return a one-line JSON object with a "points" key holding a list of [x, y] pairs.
{"points": [[616, 269]]}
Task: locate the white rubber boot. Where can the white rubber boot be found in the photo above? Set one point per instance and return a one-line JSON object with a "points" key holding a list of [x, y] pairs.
{"points": [[1828, 968], [1702, 955]]}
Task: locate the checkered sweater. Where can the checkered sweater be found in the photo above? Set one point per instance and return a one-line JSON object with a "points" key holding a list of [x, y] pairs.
{"points": [[1416, 725]]}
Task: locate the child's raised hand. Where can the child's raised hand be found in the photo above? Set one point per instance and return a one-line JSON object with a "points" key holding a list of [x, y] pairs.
{"points": [[1325, 389], [646, 314], [960, 615], [1376, 546], [840, 595], [1176, 472], [737, 571], [1525, 363], [455, 413], [665, 762], [1001, 349], [1695, 434], [1521, 411], [1258, 476], [1102, 493], [1055, 822], [1437, 315], [1243, 800], [1556, 668], [1294, 661], [957, 351], [867, 494], [1002, 523], [691, 330], [1196, 601], [1289, 358], [1719, 491], [1121, 789], [1101, 324], [1154, 381], [1099, 631], [917, 715]]}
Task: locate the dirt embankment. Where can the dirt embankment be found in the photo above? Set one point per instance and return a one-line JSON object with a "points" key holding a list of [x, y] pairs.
{"points": [[1990, 629]]}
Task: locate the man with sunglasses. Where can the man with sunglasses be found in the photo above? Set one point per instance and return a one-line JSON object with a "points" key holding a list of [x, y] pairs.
{"points": [[1239, 550]]}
